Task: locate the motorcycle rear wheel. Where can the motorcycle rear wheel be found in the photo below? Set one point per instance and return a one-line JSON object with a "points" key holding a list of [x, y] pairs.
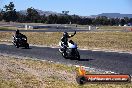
{"points": [[27, 46]]}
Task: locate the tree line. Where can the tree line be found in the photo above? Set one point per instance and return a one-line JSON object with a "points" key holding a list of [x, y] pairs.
{"points": [[9, 13]]}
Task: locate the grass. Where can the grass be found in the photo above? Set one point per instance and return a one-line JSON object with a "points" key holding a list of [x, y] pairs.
{"points": [[105, 40], [121, 41], [90, 40], [28, 73], [6, 36], [8, 28], [113, 27]]}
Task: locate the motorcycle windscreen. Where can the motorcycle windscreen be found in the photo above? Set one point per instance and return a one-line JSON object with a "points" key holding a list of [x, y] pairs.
{"points": [[72, 45]]}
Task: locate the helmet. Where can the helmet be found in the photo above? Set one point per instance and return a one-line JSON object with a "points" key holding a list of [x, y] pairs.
{"points": [[65, 34], [17, 31]]}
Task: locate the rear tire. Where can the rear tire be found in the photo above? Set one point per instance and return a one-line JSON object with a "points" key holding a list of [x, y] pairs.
{"points": [[27, 46]]}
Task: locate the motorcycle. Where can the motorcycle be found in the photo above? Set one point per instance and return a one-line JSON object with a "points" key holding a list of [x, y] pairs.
{"points": [[20, 42], [70, 51]]}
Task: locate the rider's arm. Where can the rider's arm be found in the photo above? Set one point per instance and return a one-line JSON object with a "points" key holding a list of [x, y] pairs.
{"points": [[62, 39], [72, 35]]}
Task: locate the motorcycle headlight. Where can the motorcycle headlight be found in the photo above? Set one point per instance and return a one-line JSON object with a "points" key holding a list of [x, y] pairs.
{"points": [[24, 38]]}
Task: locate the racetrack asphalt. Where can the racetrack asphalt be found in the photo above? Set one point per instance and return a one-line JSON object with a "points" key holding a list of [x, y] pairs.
{"points": [[56, 28], [109, 61]]}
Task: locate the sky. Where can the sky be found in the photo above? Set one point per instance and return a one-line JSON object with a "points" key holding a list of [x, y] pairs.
{"points": [[78, 7]]}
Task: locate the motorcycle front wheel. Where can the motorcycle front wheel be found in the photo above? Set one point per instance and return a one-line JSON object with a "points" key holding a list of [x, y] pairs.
{"points": [[17, 45], [77, 55], [65, 55]]}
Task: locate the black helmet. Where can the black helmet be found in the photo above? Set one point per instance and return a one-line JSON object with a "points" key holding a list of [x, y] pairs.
{"points": [[17, 31], [65, 34]]}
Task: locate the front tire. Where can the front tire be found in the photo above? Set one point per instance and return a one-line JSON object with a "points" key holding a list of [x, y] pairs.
{"points": [[65, 56], [17, 45], [77, 55], [81, 80]]}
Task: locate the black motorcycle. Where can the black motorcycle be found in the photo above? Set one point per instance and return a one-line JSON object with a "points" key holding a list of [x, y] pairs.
{"points": [[70, 52], [20, 42]]}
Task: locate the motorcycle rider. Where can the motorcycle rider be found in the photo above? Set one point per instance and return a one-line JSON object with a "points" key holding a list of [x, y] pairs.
{"points": [[64, 41], [18, 35]]}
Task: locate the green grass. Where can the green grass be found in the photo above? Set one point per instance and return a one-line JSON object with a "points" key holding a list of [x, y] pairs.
{"points": [[8, 28], [113, 27]]}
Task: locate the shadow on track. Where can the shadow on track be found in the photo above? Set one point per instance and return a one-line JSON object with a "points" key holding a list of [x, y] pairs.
{"points": [[26, 48], [86, 59], [83, 59]]}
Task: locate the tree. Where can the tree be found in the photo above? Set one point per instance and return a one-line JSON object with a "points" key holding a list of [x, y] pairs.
{"points": [[97, 21], [75, 19], [10, 13], [130, 20], [50, 19], [65, 12], [117, 21], [86, 21], [122, 22], [32, 15], [1, 15], [43, 18], [112, 22], [126, 20], [21, 18]]}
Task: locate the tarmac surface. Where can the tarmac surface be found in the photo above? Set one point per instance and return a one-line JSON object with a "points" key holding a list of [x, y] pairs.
{"points": [[109, 61]]}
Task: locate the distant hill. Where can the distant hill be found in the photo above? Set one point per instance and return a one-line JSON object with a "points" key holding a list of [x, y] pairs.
{"points": [[47, 13], [113, 15], [110, 15]]}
